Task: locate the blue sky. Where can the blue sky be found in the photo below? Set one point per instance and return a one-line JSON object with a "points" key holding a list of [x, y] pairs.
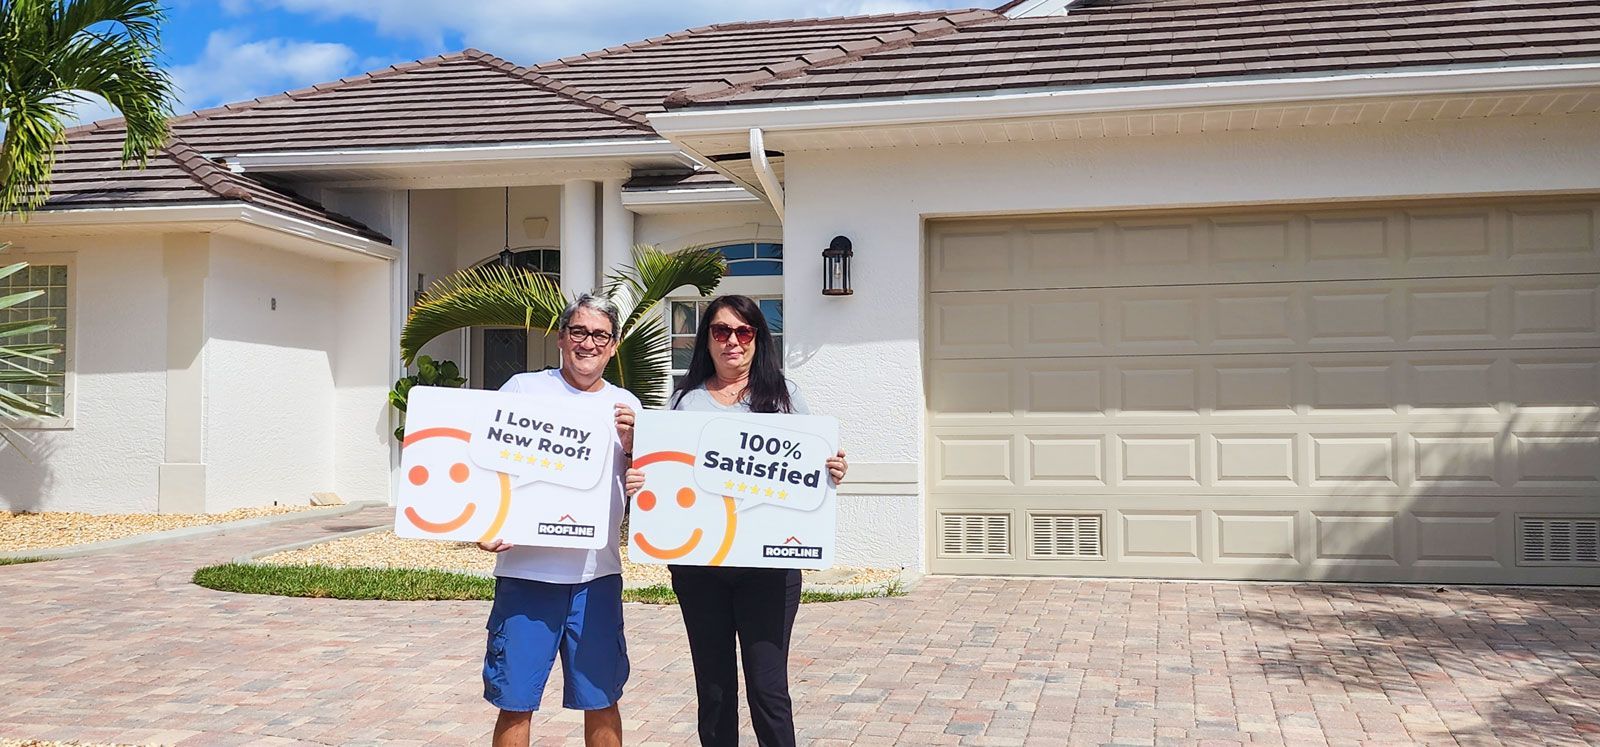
{"points": [[231, 50]]}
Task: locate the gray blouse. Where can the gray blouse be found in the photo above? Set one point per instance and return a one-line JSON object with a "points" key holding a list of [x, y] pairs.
{"points": [[700, 400]]}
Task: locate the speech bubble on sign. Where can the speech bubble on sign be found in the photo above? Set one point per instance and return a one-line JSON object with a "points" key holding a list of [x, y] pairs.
{"points": [[759, 463], [542, 440]]}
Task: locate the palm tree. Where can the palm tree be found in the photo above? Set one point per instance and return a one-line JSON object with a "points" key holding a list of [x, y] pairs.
{"points": [[54, 54], [496, 295]]}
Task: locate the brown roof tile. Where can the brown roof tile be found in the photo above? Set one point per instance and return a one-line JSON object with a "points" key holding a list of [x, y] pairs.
{"points": [[89, 174], [1150, 41], [469, 97], [642, 74]]}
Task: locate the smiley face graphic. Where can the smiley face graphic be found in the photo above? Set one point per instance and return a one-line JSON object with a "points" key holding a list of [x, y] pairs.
{"points": [[669, 486], [437, 457]]}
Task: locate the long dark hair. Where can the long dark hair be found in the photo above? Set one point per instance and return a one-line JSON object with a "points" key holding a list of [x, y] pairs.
{"points": [[767, 390]]}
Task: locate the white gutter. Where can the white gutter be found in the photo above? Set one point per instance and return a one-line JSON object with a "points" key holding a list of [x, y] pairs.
{"points": [[175, 215], [702, 196], [697, 121], [764, 173], [317, 160]]}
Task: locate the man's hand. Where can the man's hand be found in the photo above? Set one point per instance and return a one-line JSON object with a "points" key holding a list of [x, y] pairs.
{"points": [[495, 546], [625, 427], [633, 482], [837, 466]]}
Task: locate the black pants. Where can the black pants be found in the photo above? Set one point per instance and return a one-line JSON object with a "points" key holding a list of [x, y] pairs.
{"points": [[758, 606]]}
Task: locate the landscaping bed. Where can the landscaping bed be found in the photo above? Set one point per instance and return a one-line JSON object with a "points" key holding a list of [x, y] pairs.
{"points": [[39, 531]]}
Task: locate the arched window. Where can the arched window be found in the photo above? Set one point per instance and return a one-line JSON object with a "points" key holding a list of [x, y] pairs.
{"points": [[503, 352], [753, 259]]}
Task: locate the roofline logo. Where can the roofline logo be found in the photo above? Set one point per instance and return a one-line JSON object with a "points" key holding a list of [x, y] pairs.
{"points": [[792, 548], [566, 526]]}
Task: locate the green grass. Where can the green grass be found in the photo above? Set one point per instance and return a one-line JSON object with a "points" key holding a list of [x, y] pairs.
{"points": [[409, 585], [19, 561]]}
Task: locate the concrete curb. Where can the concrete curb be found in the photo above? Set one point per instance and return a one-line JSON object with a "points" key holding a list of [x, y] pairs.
{"points": [[187, 533], [906, 579]]}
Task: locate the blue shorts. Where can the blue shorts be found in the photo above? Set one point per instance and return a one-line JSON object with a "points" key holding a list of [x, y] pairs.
{"points": [[531, 621]]}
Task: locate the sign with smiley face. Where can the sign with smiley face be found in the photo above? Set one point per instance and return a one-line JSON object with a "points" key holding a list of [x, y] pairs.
{"points": [[734, 489], [476, 466]]}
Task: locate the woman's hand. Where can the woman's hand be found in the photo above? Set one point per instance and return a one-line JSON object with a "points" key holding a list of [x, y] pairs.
{"points": [[625, 427], [837, 466], [495, 546], [633, 482]]}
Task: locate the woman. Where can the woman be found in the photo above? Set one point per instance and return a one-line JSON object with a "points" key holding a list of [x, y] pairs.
{"points": [[735, 368]]}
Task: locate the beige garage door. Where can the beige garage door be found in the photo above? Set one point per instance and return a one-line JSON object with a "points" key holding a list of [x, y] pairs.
{"points": [[1403, 392]]}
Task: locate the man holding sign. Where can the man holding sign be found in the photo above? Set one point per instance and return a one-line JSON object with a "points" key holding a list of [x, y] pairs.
{"points": [[564, 599], [778, 462]]}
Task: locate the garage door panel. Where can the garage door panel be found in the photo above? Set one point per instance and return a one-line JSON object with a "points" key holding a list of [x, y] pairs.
{"points": [[1398, 315], [1305, 245], [1431, 385], [1371, 393]]}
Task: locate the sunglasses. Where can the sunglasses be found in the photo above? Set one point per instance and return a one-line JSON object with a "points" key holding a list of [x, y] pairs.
{"points": [[744, 333]]}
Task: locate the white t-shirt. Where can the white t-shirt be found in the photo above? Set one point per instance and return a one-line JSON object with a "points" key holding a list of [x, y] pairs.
{"points": [[564, 565]]}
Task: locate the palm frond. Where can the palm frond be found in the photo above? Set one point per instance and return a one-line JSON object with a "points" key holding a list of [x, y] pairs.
{"points": [[481, 296], [656, 274]]}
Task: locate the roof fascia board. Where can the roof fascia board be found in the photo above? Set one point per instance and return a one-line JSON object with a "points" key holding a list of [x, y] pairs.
{"points": [[701, 196], [316, 160], [691, 121], [208, 218]]}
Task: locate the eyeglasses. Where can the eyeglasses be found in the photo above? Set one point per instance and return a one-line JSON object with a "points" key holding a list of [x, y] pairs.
{"points": [[579, 334], [744, 332]]}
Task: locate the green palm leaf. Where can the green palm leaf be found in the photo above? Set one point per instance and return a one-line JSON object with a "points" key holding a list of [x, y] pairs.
{"points": [[499, 296]]}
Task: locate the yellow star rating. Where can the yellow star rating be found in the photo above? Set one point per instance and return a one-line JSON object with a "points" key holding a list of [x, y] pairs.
{"points": [[783, 495], [544, 463], [728, 485], [517, 458], [560, 466], [505, 453], [743, 487], [769, 492]]}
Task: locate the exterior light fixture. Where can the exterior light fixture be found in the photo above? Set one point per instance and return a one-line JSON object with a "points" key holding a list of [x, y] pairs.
{"points": [[506, 255], [836, 267]]}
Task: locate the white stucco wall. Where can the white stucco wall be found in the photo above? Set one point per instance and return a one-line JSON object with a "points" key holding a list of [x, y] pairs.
{"points": [[269, 376], [107, 461], [861, 356]]}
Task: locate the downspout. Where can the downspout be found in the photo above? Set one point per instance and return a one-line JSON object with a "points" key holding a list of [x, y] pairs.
{"points": [[764, 173]]}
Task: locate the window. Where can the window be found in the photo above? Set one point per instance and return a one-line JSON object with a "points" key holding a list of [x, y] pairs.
{"points": [[51, 277], [545, 262], [685, 320], [753, 260]]}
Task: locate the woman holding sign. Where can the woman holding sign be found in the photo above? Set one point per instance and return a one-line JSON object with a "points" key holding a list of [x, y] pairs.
{"points": [[735, 369]]}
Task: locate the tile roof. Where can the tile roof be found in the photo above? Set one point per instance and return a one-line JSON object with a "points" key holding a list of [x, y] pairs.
{"points": [[1130, 42], [640, 75], [465, 98], [89, 174]]}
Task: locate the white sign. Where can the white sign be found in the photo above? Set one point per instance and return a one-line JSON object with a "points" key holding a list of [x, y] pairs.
{"points": [[477, 466], [734, 489]]}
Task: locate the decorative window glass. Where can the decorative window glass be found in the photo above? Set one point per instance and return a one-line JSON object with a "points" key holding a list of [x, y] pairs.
{"points": [[52, 304], [545, 262], [685, 320], [753, 260]]}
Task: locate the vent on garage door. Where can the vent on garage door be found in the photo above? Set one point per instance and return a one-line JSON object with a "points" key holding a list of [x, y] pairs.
{"points": [[1559, 541], [1064, 537], [975, 535]]}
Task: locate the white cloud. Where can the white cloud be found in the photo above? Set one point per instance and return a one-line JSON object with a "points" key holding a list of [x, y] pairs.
{"points": [[530, 31], [235, 68]]}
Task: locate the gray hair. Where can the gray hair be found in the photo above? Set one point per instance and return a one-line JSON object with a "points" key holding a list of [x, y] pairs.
{"points": [[602, 304]]}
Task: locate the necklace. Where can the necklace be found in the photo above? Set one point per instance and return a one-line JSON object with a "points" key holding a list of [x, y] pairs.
{"points": [[726, 388]]}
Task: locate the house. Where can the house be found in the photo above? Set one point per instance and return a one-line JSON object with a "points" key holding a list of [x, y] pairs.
{"points": [[1291, 289]]}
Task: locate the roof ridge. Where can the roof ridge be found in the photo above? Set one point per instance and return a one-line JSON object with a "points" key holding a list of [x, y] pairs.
{"points": [[774, 23], [835, 55], [217, 180], [320, 88], [566, 90]]}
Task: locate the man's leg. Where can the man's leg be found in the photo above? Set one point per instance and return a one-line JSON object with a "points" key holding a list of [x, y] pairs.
{"points": [[705, 599], [511, 729], [602, 728], [769, 599]]}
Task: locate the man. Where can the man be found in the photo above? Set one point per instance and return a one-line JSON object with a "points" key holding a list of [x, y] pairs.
{"points": [[549, 600]]}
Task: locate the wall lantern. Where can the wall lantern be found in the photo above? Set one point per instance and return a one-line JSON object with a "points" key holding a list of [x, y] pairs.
{"points": [[836, 267]]}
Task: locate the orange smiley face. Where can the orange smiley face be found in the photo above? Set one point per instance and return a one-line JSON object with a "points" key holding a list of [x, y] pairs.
{"points": [[668, 486], [438, 457]]}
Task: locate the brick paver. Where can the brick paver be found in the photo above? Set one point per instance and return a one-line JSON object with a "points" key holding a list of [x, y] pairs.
{"points": [[121, 647]]}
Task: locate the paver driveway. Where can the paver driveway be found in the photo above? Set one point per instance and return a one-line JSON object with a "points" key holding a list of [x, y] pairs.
{"points": [[122, 647]]}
